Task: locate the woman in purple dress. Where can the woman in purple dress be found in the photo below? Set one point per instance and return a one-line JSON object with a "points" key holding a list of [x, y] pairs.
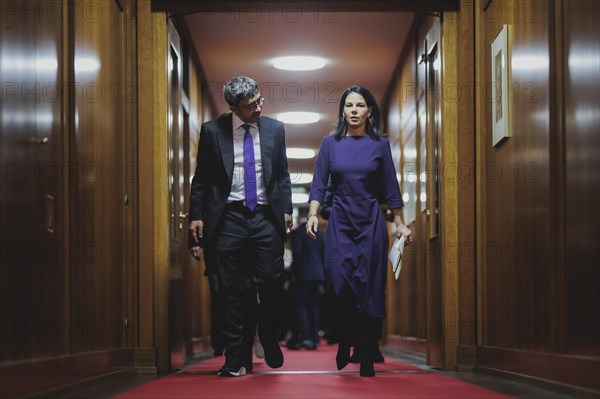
{"points": [[356, 158]]}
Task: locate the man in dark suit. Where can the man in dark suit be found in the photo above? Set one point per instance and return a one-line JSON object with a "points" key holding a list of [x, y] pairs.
{"points": [[240, 210]]}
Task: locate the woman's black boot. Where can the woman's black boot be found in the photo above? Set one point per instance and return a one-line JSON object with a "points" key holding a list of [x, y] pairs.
{"points": [[366, 360], [347, 324], [369, 345], [366, 368], [342, 358]]}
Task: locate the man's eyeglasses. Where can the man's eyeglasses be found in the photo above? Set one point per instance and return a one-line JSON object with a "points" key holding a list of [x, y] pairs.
{"points": [[252, 107]]}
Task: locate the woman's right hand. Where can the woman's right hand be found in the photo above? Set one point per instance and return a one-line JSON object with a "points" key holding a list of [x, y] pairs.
{"points": [[311, 226]]}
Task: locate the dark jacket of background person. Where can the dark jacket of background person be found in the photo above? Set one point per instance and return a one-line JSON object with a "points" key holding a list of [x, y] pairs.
{"points": [[308, 259]]}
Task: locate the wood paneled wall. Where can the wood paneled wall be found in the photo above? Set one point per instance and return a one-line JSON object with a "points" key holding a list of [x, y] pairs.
{"points": [[520, 231], [199, 328], [406, 319], [458, 190], [68, 233], [435, 301], [538, 291], [97, 189], [517, 193], [577, 160], [34, 179], [83, 216]]}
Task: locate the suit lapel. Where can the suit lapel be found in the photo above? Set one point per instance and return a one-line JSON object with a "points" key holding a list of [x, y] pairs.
{"points": [[225, 138], [267, 143]]}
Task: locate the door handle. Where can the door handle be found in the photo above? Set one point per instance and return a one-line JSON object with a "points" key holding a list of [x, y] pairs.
{"points": [[35, 140], [182, 215]]}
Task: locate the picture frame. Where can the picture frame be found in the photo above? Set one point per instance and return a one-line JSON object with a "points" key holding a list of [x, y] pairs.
{"points": [[499, 93]]}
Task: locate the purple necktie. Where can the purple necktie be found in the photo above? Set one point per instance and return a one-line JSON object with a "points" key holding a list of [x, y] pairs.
{"points": [[249, 169]]}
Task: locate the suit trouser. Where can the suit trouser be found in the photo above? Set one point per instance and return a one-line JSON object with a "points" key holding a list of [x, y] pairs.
{"points": [[247, 246], [216, 337], [250, 316]]}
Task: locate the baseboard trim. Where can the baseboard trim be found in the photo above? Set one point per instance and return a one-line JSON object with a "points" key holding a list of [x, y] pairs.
{"points": [[62, 371], [562, 372], [407, 343]]}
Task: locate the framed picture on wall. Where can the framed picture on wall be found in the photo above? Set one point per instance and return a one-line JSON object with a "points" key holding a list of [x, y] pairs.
{"points": [[499, 92]]}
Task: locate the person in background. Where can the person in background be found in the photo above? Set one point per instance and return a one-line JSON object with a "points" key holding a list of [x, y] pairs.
{"points": [[240, 209], [308, 275], [291, 332], [329, 316], [357, 160]]}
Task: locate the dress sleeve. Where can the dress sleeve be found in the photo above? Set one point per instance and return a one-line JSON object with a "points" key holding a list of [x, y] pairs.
{"points": [[327, 202], [318, 186], [390, 182]]}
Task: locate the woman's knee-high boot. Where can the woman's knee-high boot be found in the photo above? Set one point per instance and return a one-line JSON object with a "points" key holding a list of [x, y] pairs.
{"points": [[346, 330], [346, 323], [369, 338]]}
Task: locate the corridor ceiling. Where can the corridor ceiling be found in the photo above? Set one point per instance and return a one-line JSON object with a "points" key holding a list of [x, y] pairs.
{"points": [[360, 41]]}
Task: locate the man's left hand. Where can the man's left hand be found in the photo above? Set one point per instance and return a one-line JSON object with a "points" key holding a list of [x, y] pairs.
{"points": [[289, 222]]}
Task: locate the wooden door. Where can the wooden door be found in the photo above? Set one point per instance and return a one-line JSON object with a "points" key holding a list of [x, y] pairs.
{"points": [[33, 178], [177, 224], [433, 262], [97, 194]]}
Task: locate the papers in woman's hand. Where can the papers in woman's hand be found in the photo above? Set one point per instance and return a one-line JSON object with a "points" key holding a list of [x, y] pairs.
{"points": [[395, 256]]}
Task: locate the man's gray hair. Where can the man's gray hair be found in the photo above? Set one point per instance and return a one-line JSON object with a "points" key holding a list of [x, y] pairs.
{"points": [[239, 88]]}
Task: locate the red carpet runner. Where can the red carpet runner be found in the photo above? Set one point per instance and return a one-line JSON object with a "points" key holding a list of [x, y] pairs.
{"points": [[309, 375]]}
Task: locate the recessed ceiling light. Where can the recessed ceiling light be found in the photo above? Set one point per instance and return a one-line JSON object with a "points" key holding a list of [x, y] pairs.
{"points": [[300, 153], [298, 117], [301, 178], [299, 198], [299, 63]]}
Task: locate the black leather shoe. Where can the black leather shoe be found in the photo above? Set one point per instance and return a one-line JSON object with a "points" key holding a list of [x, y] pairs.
{"points": [[247, 359], [248, 365], [268, 339], [294, 344], [273, 354], [228, 372]]}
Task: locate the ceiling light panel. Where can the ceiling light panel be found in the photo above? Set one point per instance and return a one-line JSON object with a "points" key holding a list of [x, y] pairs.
{"points": [[299, 118], [301, 178], [299, 63], [300, 153]]}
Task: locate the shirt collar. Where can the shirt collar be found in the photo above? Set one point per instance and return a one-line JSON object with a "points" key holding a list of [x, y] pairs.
{"points": [[237, 122]]}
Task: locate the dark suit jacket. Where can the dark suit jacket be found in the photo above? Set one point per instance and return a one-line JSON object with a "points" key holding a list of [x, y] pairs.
{"points": [[211, 184], [308, 255]]}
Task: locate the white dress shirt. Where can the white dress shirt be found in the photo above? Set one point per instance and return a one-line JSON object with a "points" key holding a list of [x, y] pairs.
{"points": [[238, 192]]}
